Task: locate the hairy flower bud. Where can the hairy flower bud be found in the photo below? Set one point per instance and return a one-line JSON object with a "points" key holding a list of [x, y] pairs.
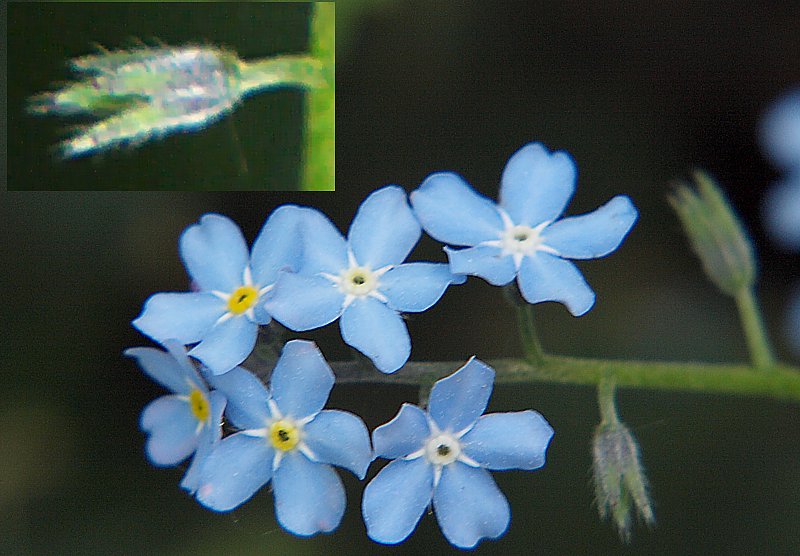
{"points": [[716, 234], [619, 480]]}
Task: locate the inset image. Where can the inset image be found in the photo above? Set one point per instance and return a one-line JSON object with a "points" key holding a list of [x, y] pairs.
{"points": [[171, 96]]}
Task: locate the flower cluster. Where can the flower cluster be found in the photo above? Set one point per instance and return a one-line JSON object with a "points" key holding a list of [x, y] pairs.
{"points": [[781, 140], [304, 274]]}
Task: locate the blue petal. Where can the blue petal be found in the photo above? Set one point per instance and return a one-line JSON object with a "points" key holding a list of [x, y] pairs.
{"points": [[247, 396], [278, 245], [483, 261], [415, 287], [185, 317], [780, 130], [469, 506], [209, 436], [235, 469], [782, 211], [304, 302], [592, 235], [309, 497], [227, 344], [509, 440], [171, 426], [454, 213], [544, 277], [339, 438], [537, 185], [378, 332], [403, 435], [396, 498], [457, 401], [164, 368], [301, 380], [324, 247], [215, 253], [384, 230]]}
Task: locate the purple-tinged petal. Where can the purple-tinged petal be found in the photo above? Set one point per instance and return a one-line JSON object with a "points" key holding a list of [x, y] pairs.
{"points": [[457, 401], [544, 277], [396, 498], [248, 398], [164, 368], [403, 435], [304, 302], [233, 472], [501, 441], [384, 230], [301, 381], [339, 438], [278, 246], [227, 344], [309, 497], [207, 439], [324, 247], [592, 235], [185, 317], [469, 506], [171, 427], [484, 261], [454, 213], [378, 332], [536, 185], [215, 253], [415, 287]]}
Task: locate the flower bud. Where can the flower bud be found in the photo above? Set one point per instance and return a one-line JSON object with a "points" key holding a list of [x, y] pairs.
{"points": [[619, 480], [716, 234]]}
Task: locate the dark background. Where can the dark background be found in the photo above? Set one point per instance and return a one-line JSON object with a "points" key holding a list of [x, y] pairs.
{"points": [[638, 95]]}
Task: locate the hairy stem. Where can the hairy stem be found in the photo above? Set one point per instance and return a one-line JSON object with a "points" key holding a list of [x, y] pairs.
{"points": [[782, 382], [320, 110]]}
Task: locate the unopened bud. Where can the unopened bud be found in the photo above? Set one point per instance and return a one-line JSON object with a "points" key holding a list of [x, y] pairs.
{"points": [[716, 234], [619, 480]]}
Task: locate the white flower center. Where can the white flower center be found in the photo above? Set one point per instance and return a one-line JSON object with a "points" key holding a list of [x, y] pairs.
{"points": [[358, 281], [442, 449], [522, 240]]}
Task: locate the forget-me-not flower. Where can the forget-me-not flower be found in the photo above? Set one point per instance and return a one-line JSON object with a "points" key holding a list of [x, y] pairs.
{"points": [[780, 135], [445, 455], [184, 423], [522, 237], [223, 316], [360, 280], [287, 438]]}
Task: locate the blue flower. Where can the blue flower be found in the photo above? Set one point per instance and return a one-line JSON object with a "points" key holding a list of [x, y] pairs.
{"points": [[443, 455], [361, 279], [223, 316], [285, 437], [521, 237], [780, 131], [185, 423]]}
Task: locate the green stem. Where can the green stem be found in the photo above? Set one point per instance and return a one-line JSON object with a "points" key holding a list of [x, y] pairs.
{"points": [[527, 332], [782, 382], [605, 400], [754, 331], [320, 132], [280, 71]]}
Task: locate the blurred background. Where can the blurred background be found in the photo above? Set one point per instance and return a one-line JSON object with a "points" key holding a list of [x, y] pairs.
{"points": [[638, 95]]}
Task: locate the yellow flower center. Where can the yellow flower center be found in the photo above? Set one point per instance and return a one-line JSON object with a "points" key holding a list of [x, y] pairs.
{"points": [[284, 435], [199, 405], [242, 299]]}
